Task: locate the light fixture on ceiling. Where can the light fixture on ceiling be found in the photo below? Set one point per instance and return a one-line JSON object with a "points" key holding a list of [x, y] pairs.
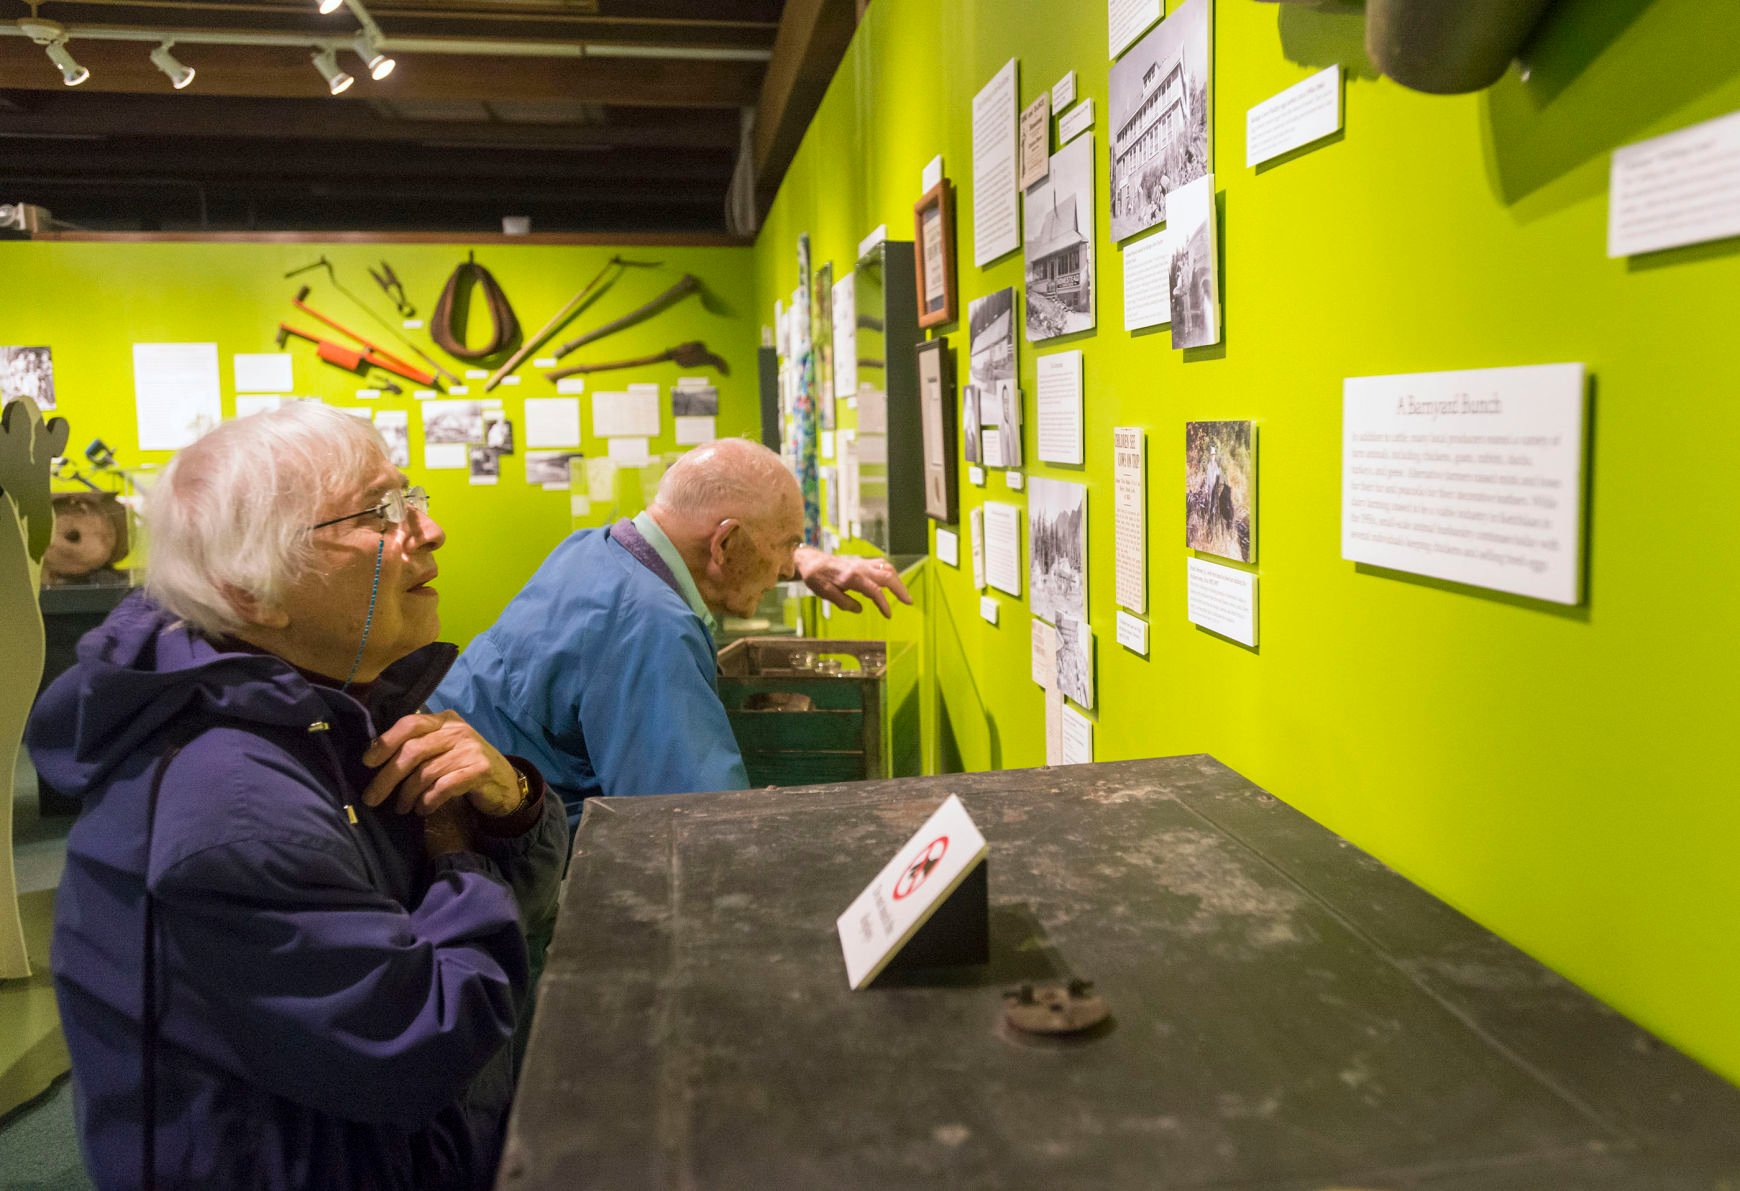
{"points": [[328, 7], [180, 74], [337, 81], [380, 66], [52, 38]]}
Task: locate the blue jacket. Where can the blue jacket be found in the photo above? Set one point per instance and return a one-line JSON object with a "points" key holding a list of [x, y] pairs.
{"points": [[332, 1009], [603, 677]]}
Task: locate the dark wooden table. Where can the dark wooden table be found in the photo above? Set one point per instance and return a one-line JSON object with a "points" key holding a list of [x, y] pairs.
{"points": [[1288, 1013]]}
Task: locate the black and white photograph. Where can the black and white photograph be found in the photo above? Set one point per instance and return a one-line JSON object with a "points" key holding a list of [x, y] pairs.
{"points": [[696, 402], [1060, 245], [1075, 660], [1008, 399], [1195, 287], [970, 422], [498, 432], [936, 404], [549, 467], [1057, 548], [27, 372], [1159, 118], [1220, 488], [485, 465], [395, 427], [991, 339], [452, 421]]}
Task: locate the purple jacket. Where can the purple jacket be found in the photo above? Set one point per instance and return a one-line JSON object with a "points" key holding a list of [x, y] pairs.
{"points": [[333, 1010]]}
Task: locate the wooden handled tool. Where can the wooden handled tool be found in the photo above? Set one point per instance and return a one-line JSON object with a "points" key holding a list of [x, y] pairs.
{"points": [[693, 354], [549, 328], [686, 285]]}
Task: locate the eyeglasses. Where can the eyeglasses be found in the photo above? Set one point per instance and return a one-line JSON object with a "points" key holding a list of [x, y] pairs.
{"points": [[395, 506]]}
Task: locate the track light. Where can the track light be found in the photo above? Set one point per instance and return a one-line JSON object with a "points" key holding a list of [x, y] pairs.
{"points": [[180, 75], [71, 73], [328, 7], [380, 66], [326, 62]]}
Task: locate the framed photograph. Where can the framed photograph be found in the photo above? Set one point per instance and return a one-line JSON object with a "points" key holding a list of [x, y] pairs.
{"points": [[936, 399], [934, 231]]}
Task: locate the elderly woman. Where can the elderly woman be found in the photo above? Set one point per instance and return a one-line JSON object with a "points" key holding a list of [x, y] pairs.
{"points": [[290, 942]]}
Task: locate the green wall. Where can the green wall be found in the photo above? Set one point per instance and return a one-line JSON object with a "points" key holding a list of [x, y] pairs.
{"points": [[92, 301], [1559, 774]]}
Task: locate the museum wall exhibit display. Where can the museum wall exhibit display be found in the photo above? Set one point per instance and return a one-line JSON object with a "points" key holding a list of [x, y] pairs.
{"points": [[1383, 722]]}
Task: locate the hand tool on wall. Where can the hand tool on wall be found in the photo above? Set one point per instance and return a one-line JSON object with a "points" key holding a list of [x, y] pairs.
{"points": [[561, 316], [693, 354], [688, 284], [332, 276], [395, 291], [380, 357], [353, 359], [448, 323]]}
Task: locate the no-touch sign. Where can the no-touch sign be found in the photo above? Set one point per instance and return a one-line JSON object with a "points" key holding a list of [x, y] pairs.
{"points": [[929, 857]]}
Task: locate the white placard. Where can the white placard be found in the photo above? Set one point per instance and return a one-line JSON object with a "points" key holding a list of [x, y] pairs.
{"points": [[988, 608], [368, 394], [1222, 600], [1682, 188], [1015, 480], [1132, 633], [845, 336], [692, 382], [1126, 20], [1043, 661], [425, 394], [827, 437], [991, 443], [552, 422], [628, 452], [1063, 92], [546, 362], [1475, 477], [458, 390], [996, 213], [1036, 140], [693, 429], [879, 236], [477, 374], [976, 534], [1130, 503], [1148, 281], [510, 380], [976, 476], [1303, 113], [1074, 122], [920, 877], [445, 456], [571, 384], [933, 173], [176, 393], [634, 413], [1078, 737], [413, 324], [1059, 404], [1053, 726], [578, 505], [948, 546], [1003, 546], [263, 372]]}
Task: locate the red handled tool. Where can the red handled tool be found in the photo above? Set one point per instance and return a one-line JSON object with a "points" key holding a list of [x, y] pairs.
{"points": [[350, 359], [378, 356]]}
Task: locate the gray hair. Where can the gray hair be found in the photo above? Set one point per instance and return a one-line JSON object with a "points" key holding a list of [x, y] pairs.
{"points": [[232, 512], [733, 477]]}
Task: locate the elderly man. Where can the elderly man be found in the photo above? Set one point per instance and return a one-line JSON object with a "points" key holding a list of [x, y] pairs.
{"points": [[288, 946], [601, 670]]}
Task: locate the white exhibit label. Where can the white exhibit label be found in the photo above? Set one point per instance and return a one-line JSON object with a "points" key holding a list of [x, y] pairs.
{"points": [[1063, 92], [1015, 480], [552, 422], [1133, 633], [694, 429], [630, 413], [922, 875], [845, 310], [1074, 122], [948, 546], [1222, 600], [1129, 515], [976, 475], [629, 452], [976, 540], [1044, 660], [1053, 726], [988, 608], [413, 324], [263, 372], [1003, 546], [545, 362], [996, 213], [1148, 282], [459, 390], [1059, 402], [425, 394], [1036, 140], [1303, 113], [445, 456], [176, 393], [477, 374], [827, 437], [879, 236], [1078, 737], [368, 394], [1125, 22], [1682, 188], [1475, 477], [933, 173], [571, 384]]}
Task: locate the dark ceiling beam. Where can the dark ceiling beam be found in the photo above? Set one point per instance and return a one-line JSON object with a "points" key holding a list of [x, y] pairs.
{"points": [[275, 72], [435, 191], [813, 36]]}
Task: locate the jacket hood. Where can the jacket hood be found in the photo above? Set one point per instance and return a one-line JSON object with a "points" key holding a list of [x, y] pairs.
{"points": [[143, 668]]}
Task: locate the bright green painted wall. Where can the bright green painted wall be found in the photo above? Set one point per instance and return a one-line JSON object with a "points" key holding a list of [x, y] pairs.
{"points": [[92, 301], [1561, 775]]}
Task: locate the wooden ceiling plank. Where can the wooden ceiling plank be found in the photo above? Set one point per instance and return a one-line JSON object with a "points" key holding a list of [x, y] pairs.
{"points": [[813, 37]]}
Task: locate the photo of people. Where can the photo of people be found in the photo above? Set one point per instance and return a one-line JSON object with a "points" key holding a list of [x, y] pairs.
{"points": [[1220, 474], [27, 372]]}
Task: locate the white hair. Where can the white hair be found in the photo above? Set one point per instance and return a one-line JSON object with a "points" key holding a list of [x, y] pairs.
{"points": [[232, 512], [734, 477]]}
